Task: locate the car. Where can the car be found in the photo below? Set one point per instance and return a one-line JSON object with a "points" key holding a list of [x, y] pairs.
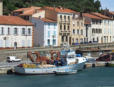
{"points": [[13, 59]]}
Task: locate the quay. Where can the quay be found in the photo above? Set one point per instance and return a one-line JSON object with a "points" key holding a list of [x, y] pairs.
{"points": [[10, 69], [5, 67]]}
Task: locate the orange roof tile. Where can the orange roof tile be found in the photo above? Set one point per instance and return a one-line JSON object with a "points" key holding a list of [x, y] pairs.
{"points": [[46, 20], [60, 9], [30, 12], [91, 16], [100, 15], [13, 20], [24, 9]]}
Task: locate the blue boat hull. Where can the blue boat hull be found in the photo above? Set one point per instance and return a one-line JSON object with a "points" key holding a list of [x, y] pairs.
{"points": [[50, 70]]}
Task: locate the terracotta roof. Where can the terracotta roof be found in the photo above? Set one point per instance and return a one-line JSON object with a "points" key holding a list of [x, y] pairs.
{"points": [[30, 12], [46, 20], [24, 9], [91, 16], [13, 20], [100, 15], [60, 9]]}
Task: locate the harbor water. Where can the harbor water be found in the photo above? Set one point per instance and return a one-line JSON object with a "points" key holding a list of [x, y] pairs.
{"points": [[92, 77]]}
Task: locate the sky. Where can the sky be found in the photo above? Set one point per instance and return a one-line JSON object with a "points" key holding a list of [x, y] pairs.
{"points": [[107, 4]]}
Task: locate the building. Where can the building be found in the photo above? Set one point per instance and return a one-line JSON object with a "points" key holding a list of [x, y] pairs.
{"points": [[63, 17], [99, 28], [93, 28], [1, 7], [78, 29], [28, 13], [46, 32], [15, 32], [107, 28]]}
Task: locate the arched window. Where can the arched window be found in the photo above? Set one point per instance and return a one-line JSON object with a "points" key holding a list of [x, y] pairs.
{"points": [[15, 31], [23, 31]]}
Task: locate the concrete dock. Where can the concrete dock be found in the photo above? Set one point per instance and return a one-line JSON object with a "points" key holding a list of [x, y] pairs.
{"points": [[10, 69], [99, 64]]}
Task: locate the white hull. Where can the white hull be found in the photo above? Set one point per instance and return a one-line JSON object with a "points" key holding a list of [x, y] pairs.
{"points": [[50, 70]]}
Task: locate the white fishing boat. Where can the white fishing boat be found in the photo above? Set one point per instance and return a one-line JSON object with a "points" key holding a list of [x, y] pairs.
{"points": [[68, 62]]}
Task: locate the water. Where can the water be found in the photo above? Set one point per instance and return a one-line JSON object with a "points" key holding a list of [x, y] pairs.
{"points": [[93, 77]]}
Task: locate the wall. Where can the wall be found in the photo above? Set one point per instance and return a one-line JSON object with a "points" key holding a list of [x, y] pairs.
{"points": [[49, 27], [38, 32], [8, 40]]}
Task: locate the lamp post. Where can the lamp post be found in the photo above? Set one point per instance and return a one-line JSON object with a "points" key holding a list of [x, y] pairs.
{"points": [[5, 38]]}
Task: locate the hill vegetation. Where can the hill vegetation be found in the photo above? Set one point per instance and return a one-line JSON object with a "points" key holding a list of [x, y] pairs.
{"points": [[77, 5]]}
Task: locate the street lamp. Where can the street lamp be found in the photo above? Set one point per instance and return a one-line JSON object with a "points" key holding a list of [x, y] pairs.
{"points": [[5, 38]]}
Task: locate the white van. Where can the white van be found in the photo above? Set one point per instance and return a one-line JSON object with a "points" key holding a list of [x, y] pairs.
{"points": [[13, 59]]}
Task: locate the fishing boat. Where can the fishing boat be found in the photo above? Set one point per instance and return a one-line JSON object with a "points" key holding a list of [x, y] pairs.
{"points": [[66, 60]]}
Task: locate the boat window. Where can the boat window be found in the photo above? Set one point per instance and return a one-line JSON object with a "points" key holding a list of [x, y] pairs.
{"points": [[70, 56]]}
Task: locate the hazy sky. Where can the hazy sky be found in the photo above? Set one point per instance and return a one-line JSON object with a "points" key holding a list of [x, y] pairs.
{"points": [[108, 4]]}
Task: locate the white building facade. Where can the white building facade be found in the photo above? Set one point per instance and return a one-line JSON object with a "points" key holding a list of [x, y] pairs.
{"points": [[46, 32], [18, 34]]}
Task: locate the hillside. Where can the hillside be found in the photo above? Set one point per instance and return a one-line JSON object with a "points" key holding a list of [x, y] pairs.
{"points": [[77, 5]]}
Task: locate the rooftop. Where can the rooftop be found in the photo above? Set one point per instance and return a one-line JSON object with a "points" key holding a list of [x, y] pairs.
{"points": [[46, 20], [28, 11], [91, 16], [100, 15], [60, 9], [13, 20]]}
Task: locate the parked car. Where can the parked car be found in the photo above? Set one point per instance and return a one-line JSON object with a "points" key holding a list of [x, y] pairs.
{"points": [[13, 59]]}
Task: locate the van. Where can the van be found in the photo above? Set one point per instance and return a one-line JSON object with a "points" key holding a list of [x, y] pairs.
{"points": [[13, 59]]}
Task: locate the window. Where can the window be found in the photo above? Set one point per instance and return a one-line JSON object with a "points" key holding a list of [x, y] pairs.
{"points": [[66, 38], [2, 31], [8, 30], [65, 18], [68, 27], [48, 34], [29, 31], [69, 18], [64, 27], [54, 42], [48, 26], [73, 31], [61, 27], [15, 31], [23, 31], [78, 31], [81, 40], [60, 17], [54, 26], [93, 30], [48, 42], [77, 40], [81, 32], [78, 23], [62, 40], [54, 33]]}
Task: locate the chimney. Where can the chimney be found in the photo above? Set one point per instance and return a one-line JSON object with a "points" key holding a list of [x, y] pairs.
{"points": [[1, 7]]}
